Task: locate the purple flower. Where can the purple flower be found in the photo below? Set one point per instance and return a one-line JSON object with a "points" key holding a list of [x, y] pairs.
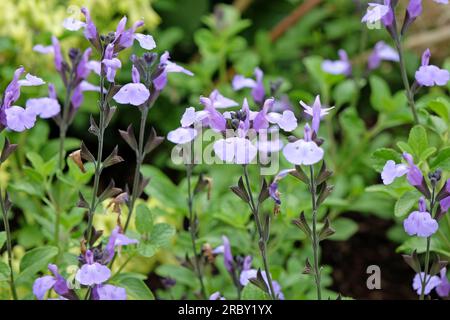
{"points": [[235, 150], [431, 283], [273, 188], [108, 292], [77, 95], [303, 151], [316, 112], [258, 92], [391, 171], [117, 239], [216, 296], [376, 12], [92, 273], [260, 122], [220, 102], [166, 66], [430, 75], [414, 9], [133, 93], [19, 119], [110, 62], [246, 275], [47, 107], [443, 289], [182, 135], [341, 66], [192, 117], [215, 119], [90, 31], [227, 255], [56, 282], [420, 222], [382, 52], [414, 175]]}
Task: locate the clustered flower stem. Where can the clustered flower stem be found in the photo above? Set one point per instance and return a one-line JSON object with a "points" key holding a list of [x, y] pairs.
{"points": [[98, 162], [262, 240], [427, 252], [193, 229], [315, 240], [139, 160], [8, 245]]}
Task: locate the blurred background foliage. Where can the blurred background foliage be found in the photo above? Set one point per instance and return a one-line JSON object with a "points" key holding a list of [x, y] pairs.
{"points": [[216, 40]]}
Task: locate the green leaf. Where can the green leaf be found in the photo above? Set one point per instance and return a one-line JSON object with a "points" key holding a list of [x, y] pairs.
{"points": [[442, 160], [161, 234], [345, 92], [147, 249], [428, 152], [345, 228], [136, 288], [441, 107], [405, 203], [36, 260], [252, 292], [418, 140], [181, 274], [2, 238], [144, 219], [380, 97], [4, 271], [381, 156]]}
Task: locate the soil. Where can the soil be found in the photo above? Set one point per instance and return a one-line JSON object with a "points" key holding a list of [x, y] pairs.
{"points": [[369, 246]]}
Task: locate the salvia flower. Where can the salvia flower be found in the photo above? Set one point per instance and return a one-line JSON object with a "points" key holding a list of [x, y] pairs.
{"points": [[316, 112], [414, 175], [430, 75], [216, 296], [445, 203], [246, 275], [391, 171], [431, 283], [117, 239], [443, 289], [92, 273], [108, 292], [46, 107], [134, 93], [420, 222], [376, 12], [273, 188], [166, 66], [341, 66], [382, 52], [235, 150], [56, 282], [13, 117], [218, 101], [303, 151], [258, 92]]}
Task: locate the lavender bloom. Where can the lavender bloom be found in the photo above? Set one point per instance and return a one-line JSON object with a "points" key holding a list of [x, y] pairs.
{"points": [[117, 239], [111, 63], [430, 75], [316, 112], [92, 272], [56, 282], [420, 222], [215, 119], [273, 188], [218, 101], [443, 289], [14, 117], [431, 283], [133, 93], [391, 171], [414, 175], [414, 9], [192, 117], [382, 52], [227, 255], [258, 92], [445, 203], [90, 31], [77, 95], [341, 66], [47, 107], [166, 66], [216, 296], [303, 151], [108, 292], [376, 12], [246, 275]]}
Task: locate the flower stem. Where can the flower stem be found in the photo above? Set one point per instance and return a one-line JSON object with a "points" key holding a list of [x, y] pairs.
{"points": [[193, 229], [98, 162], [427, 253], [262, 243], [8, 246], [409, 92], [137, 171], [315, 240]]}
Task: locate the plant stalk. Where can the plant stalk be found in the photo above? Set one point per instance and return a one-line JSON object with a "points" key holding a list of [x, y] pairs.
{"points": [[427, 253], [315, 240], [262, 243]]}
